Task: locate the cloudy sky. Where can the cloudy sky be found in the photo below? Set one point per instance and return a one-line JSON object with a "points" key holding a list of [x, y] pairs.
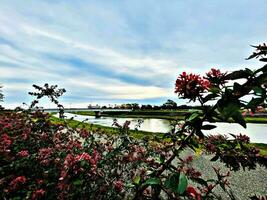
{"points": [[121, 51]]}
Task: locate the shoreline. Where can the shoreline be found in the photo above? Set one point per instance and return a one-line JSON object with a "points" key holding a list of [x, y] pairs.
{"points": [[169, 115]]}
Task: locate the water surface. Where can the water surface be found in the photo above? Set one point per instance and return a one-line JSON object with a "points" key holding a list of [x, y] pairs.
{"points": [[256, 132]]}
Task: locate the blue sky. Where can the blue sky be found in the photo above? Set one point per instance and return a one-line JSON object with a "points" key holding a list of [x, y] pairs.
{"points": [[121, 51]]}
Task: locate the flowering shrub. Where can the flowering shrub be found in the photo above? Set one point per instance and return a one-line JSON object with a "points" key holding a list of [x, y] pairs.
{"points": [[44, 160]]}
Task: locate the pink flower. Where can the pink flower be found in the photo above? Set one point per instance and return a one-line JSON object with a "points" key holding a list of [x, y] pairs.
{"points": [[23, 153]]}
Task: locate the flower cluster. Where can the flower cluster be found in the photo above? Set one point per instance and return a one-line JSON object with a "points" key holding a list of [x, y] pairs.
{"points": [[5, 142], [191, 86], [23, 153], [17, 182], [216, 77]]}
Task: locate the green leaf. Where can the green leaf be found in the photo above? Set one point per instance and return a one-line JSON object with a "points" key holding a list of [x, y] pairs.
{"points": [[153, 181], [200, 134], [233, 135], [201, 181], [228, 109], [182, 184], [208, 127], [193, 116], [262, 78], [237, 87], [137, 180], [238, 117], [177, 182], [78, 182], [209, 97], [214, 158], [258, 90], [239, 74], [254, 102], [263, 69], [263, 59], [214, 90], [172, 182]]}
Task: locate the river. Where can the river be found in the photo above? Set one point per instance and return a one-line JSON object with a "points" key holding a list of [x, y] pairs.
{"points": [[256, 132]]}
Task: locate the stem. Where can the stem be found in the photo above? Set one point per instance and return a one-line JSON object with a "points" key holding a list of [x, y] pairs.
{"points": [[164, 167]]}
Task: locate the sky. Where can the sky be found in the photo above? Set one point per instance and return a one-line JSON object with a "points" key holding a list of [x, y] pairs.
{"points": [[119, 51]]}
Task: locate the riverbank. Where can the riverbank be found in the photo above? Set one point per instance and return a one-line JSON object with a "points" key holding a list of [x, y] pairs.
{"points": [[170, 115], [137, 134]]}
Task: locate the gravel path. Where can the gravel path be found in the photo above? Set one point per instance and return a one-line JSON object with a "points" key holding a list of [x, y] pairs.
{"points": [[243, 183]]}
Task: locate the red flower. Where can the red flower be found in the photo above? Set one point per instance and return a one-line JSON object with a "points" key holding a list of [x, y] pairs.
{"points": [[216, 77], [243, 138], [15, 183], [38, 194], [118, 185], [84, 133], [83, 156], [193, 193], [69, 161], [44, 155], [5, 143], [23, 153], [191, 85]]}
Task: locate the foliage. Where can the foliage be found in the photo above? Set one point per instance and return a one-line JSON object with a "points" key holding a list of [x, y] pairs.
{"points": [[44, 160]]}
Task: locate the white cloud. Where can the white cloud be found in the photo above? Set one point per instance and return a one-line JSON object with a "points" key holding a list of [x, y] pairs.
{"points": [[152, 43]]}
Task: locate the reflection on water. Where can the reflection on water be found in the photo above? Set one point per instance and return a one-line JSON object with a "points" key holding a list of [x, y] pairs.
{"points": [[256, 132]]}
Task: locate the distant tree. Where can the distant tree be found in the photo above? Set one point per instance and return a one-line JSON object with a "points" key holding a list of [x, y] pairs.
{"points": [[184, 107], [170, 104], [135, 106], [1, 94], [156, 107], [146, 107], [1, 97], [128, 106]]}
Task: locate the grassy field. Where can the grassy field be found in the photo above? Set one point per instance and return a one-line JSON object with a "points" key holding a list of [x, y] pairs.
{"points": [[164, 114], [134, 133]]}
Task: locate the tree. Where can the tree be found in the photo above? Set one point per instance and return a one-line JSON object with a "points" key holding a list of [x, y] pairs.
{"points": [[170, 104]]}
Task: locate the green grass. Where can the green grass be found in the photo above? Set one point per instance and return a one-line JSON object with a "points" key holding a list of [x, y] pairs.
{"points": [[262, 120], [262, 147], [83, 113]]}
